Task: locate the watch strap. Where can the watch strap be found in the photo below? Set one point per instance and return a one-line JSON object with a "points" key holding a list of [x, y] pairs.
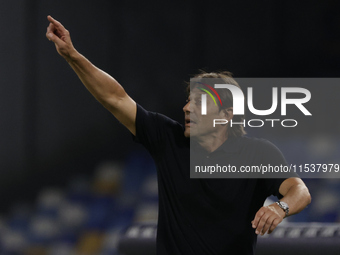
{"points": [[284, 206]]}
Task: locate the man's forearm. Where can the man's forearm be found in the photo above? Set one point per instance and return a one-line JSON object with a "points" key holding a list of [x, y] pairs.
{"points": [[297, 197], [100, 84]]}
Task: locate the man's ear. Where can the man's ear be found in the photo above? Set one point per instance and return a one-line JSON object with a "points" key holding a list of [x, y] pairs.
{"points": [[228, 113]]}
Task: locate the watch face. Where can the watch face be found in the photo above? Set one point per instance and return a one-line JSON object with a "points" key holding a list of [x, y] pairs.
{"points": [[284, 205]]}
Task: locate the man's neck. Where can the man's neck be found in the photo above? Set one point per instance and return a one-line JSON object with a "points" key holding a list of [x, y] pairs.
{"points": [[212, 142]]}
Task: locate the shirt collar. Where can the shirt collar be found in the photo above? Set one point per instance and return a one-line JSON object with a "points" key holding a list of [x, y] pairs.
{"points": [[231, 145]]}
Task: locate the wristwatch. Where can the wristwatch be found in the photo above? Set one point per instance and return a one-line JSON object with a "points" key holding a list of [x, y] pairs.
{"points": [[284, 206]]}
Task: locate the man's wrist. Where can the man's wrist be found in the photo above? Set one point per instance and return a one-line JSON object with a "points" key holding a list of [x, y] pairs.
{"points": [[283, 207], [279, 210], [73, 56]]}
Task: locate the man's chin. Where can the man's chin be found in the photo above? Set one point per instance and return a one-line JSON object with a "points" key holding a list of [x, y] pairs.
{"points": [[187, 132]]}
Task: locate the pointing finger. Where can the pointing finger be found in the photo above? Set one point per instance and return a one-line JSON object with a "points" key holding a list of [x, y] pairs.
{"points": [[56, 23]]}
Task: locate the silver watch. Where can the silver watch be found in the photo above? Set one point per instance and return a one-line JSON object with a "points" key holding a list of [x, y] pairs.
{"points": [[284, 206]]}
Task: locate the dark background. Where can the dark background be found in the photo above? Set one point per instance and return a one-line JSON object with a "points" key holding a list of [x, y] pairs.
{"points": [[52, 128]]}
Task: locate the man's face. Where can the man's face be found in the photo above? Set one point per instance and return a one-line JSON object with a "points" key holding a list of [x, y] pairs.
{"points": [[198, 125]]}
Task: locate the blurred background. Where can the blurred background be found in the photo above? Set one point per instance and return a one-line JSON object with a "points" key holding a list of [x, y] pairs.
{"points": [[71, 176]]}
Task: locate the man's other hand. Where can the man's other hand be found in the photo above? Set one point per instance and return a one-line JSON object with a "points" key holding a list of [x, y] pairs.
{"points": [[267, 219]]}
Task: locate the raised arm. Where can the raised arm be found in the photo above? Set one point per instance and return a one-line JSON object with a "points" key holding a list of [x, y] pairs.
{"points": [[101, 85]]}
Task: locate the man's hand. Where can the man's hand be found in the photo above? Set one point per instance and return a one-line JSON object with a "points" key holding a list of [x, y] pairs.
{"points": [[267, 219], [57, 33]]}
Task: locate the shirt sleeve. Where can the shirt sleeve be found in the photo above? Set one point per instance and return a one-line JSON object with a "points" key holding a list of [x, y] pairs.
{"points": [[273, 156], [153, 129]]}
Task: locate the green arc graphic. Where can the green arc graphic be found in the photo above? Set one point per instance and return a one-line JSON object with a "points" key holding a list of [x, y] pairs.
{"points": [[209, 94]]}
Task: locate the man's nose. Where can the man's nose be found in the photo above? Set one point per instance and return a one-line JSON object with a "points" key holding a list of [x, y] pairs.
{"points": [[186, 107]]}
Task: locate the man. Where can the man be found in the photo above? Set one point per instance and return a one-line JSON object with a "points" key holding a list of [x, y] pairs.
{"points": [[196, 216]]}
